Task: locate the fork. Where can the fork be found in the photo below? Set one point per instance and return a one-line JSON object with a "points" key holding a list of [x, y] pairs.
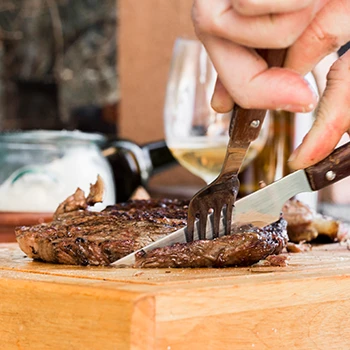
{"points": [[220, 195], [222, 192]]}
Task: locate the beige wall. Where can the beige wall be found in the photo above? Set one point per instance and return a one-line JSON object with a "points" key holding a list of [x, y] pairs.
{"points": [[147, 30]]}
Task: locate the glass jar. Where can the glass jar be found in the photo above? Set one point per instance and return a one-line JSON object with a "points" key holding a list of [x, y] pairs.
{"points": [[40, 169]]}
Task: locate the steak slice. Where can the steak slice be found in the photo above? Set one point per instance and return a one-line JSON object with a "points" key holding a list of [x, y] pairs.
{"points": [[88, 238], [78, 236], [244, 247]]}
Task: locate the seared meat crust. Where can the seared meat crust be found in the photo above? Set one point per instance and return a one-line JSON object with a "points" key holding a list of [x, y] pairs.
{"points": [[78, 236], [243, 248], [89, 238]]}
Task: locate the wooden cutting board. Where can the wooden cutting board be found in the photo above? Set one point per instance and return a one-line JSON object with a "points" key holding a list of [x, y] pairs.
{"points": [[305, 305]]}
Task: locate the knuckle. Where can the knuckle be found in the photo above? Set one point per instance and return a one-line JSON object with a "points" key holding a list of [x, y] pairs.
{"points": [[340, 69], [206, 17], [283, 41], [324, 36], [201, 19], [278, 31], [244, 101], [283, 30], [244, 7]]}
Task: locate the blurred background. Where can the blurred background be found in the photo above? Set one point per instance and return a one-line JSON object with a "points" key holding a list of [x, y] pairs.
{"points": [[93, 65], [89, 65], [58, 64]]}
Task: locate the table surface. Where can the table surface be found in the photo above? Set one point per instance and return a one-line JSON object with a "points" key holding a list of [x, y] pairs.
{"points": [[304, 304]]}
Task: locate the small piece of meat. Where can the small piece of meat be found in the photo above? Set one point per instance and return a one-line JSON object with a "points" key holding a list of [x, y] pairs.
{"points": [[74, 202], [300, 221], [78, 201], [277, 260], [306, 225], [242, 248], [96, 192], [298, 248], [326, 227]]}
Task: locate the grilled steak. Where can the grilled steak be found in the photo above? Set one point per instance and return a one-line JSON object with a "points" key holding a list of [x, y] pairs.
{"points": [[81, 237], [244, 247]]}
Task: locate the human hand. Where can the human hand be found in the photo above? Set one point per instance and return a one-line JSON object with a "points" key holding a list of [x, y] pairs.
{"points": [[332, 117], [231, 30]]}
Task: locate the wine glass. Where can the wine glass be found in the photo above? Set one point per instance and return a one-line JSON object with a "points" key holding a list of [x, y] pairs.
{"points": [[196, 134]]}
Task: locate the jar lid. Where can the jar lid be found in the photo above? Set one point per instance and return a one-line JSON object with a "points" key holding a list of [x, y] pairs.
{"points": [[50, 136]]}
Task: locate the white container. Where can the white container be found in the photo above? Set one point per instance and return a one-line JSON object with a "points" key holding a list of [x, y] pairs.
{"points": [[40, 169]]}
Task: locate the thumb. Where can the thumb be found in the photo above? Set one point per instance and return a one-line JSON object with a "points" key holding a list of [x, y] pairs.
{"points": [[221, 100], [332, 118]]}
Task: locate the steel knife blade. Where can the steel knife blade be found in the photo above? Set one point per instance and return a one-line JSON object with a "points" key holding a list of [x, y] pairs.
{"points": [[264, 206]]}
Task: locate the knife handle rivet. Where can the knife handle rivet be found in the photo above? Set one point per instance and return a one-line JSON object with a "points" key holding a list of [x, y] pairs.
{"points": [[255, 124], [330, 175]]}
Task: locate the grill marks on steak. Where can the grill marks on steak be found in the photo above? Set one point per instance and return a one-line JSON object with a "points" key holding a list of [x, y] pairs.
{"points": [[243, 248], [78, 236], [87, 238]]}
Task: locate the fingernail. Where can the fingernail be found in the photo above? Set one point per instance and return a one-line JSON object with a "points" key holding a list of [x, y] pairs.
{"points": [[315, 97], [294, 155], [221, 104], [309, 108], [297, 108]]}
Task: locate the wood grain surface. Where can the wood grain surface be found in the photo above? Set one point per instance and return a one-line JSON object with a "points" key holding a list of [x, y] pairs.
{"points": [[304, 305]]}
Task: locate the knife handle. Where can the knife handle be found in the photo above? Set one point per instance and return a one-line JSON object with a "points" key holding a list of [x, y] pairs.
{"points": [[331, 169]]}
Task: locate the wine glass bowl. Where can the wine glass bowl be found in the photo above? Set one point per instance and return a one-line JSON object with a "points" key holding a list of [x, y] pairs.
{"points": [[195, 133]]}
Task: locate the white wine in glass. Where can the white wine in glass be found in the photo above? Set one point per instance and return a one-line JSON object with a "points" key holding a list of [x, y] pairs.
{"points": [[196, 134], [201, 157]]}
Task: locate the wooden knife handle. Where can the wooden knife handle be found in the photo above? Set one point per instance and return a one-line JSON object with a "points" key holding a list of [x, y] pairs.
{"points": [[331, 169]]}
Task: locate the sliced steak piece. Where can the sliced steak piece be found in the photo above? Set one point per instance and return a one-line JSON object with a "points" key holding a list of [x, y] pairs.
{"points": [[305, 225], [243, 248], [88, 238], [78, 236]]}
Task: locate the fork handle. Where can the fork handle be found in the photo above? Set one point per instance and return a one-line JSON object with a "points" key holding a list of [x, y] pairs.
{"points": [[246, 124]]}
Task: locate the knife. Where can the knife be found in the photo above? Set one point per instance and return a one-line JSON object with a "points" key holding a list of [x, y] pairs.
{"points": [[264, 206]]}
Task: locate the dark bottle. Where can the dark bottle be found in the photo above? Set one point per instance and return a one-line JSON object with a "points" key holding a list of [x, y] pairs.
{"points": [[133, 165], [271, 163]]}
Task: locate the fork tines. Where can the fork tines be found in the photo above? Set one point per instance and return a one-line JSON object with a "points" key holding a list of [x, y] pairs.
{"points": [[216, 199]]}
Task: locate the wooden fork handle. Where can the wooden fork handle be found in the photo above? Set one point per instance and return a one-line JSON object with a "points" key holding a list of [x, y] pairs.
{"points": [[246, 124], [273, 57]]}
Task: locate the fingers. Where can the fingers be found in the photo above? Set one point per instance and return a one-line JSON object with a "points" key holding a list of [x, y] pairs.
{"points": [[218, 18], [251, 84], [221, 101], [327, 32], [320, 71], [255, 8], [333, 118]]}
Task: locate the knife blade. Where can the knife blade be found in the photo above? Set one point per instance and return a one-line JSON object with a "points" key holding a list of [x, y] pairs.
{"points": [[264, 206]]}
